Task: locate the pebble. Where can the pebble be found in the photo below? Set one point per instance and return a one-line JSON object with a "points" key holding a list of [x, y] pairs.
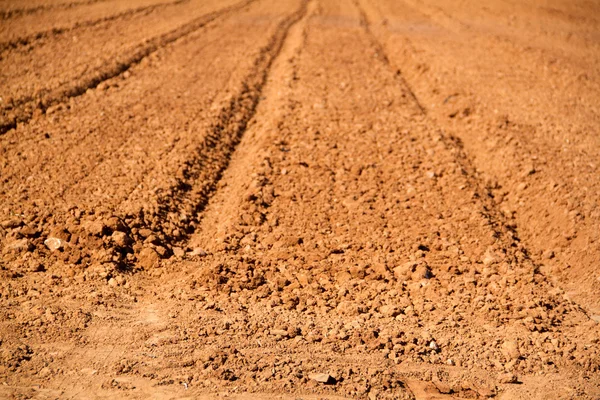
{"points": [[198, 252], [389, 310], [422, 271], [511, 350], [148, 258], [145, 232], [279, 332], [490, 258], [96, 228], [120, 238], [434, 346], [508, 378], [44, 372], [54, 243], [178, 252], [322, 378], [11, 223], [549, 254], [403, 271]]}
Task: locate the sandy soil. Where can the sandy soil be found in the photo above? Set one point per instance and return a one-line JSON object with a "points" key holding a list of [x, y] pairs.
{"points": [[292, 199]]}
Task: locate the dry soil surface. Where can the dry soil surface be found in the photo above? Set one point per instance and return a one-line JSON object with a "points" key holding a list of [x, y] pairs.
{"points": [[291, 199]]}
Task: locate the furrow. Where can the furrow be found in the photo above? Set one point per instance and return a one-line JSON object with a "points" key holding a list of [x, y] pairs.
{"points": [[22, 110], [29, 40], [381, 53], [198, 179], [495, 218], [527, 133], [17, 12], [173, 176]]}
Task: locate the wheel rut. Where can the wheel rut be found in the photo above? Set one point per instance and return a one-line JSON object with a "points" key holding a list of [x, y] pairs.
{"points": [[495, 218], [22, 110], [16, 12], [521, 142], [225, 132], [29, 41], [188, 167]]}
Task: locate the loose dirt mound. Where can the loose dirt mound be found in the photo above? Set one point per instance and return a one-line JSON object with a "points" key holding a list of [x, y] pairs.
{"points": [[262, 199]]}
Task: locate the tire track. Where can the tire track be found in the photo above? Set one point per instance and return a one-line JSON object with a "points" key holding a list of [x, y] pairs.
{"points": [[312, 149], [21, 110], [185, 187], [554, 211], [122, 149], [503, 228], [18, 12], [241, 193], [151, 78], [452, 143], [211, 157], [54, 32]]}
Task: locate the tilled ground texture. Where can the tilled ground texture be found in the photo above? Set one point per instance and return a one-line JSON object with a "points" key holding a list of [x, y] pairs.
{"points": [[299, 199]]}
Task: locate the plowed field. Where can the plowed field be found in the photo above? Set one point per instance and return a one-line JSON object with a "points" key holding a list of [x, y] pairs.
{"points": [[299, 199]]}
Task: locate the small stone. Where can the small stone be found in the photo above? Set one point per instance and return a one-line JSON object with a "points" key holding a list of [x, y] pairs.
{"points": [[508, 378], [198, 252], [279, 332], [162, 251], [450, 362], [115, 224], [54, 243], [442, 387], [11, 223], [511, 350], [145, 232], [322, 378], [112, 282], [529, 170], [36, 266], [28, 231], [490, 257], [178, 252], [434, 346], [96, 228], [44, 372], [357, 271], [152, 239], [389, 310], [120, 238], [404, 271], [422, 271], [148, 258], [548, 254]]}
